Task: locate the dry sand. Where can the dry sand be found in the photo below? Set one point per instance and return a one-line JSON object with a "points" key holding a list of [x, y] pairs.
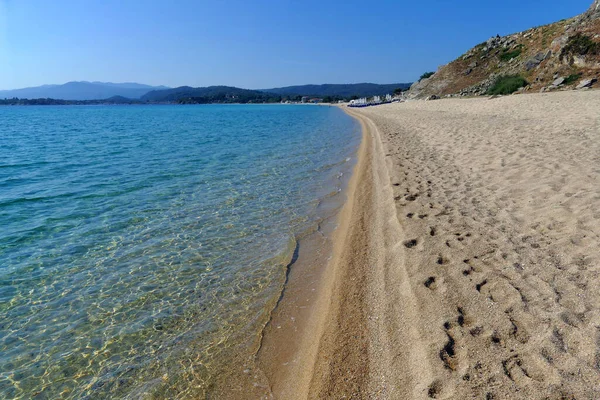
{"points": [[467, 262]]}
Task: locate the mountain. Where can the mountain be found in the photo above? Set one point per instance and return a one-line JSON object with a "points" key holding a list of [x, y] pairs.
{"points": [[121, 92], [87, 91], [211, 94], [558, 56], [58, 102], [341, 90], [81, 91], [131, 85]]}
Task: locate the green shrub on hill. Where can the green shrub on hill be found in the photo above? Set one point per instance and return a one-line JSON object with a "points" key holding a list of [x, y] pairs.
{"points": [[571, 79], [507, 84], [579, 45], [509, 55], [426, 75]]}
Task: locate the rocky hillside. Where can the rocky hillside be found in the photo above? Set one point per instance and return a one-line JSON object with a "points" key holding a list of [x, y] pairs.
{"points": [[559, 56]]}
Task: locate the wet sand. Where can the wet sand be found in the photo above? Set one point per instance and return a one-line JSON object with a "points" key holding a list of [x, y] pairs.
{"points": [[330, 354], [466, 262]]}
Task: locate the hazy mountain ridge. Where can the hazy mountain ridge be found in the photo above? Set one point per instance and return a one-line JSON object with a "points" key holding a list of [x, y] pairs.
{"points": [[557, 56], [96, 91], [340, 90], [210, 94], [228, 94], [82, 91]]}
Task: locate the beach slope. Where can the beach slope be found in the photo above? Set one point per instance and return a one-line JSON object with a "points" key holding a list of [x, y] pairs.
{"points": [[482, 282], [466, 261]]}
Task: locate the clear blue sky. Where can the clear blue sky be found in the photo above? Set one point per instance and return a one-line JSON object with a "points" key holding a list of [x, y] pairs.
{"points": [[250, 43]]}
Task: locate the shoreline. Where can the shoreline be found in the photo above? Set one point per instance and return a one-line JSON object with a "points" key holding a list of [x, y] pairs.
{"points": [[341, 349], [372, 346], [288, 349]]}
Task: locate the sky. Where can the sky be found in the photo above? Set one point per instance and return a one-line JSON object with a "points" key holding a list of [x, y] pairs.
{"points": [[253, 44]]}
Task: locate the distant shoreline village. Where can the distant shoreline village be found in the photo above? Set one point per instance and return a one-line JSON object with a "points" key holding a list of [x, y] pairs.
{"points": [[376, 100]]}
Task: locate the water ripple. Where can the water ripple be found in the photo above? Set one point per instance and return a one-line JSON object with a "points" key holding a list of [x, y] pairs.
{"points": [[142, 247]]}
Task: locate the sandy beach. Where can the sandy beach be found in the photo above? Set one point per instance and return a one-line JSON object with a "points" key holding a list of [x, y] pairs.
{"points": [[466, 261]]}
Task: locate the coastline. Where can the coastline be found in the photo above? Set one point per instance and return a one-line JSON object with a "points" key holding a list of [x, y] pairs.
{"points": [[342, 347], [290, 343], [359, 352], [372, 346]]}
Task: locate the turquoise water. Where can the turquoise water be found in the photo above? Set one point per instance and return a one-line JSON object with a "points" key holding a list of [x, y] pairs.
{"points": [[143, 247]]}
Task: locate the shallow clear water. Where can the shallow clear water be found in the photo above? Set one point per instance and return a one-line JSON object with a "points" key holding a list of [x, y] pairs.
{"points": [[143, 247]]}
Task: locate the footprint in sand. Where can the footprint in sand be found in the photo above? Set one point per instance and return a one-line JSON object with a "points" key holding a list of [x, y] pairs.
{"points": [[410, 243], [430, 283]]}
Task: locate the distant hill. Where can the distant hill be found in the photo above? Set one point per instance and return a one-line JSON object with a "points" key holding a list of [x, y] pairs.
{"points": [[134, 93], [559, 56], [59, 102], [81, 91], [211, 94], [339, 90]]}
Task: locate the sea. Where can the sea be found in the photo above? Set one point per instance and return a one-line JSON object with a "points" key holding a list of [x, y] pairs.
{"points": [[143, 248]]}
